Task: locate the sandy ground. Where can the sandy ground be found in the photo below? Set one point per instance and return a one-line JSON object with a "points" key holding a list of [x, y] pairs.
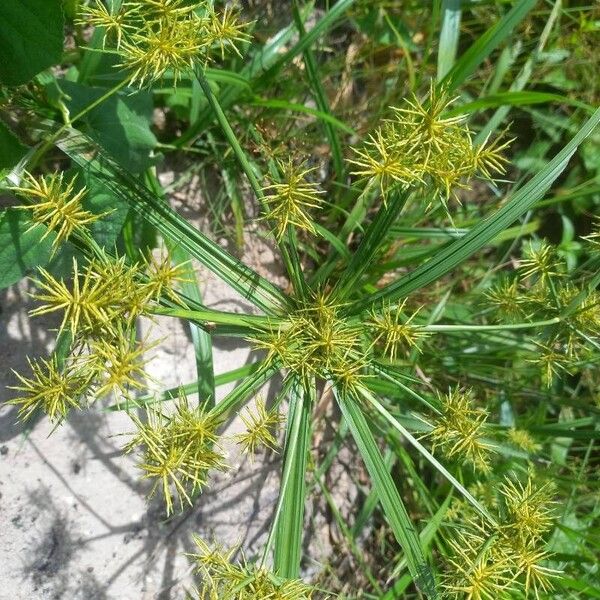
{"points": [[74, 519], [73, 514]]}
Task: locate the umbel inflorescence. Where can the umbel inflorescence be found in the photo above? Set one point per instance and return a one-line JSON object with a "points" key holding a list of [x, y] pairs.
{"points": [[540, 289], [154, 39], [223, 578], [418, 147], [422, 145], [500, 560]]}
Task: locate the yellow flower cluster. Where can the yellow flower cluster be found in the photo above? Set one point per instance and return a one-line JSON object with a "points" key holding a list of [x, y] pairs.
{"points": [[421, 145], [51, 388], [505, 560], [290, 198], [262, 426], [316, 341], [225, 580], [395, 331], [178, 451], [156, 38], [99, 309], [460, 428], [55, 204], [541, 291], [106, 293]]}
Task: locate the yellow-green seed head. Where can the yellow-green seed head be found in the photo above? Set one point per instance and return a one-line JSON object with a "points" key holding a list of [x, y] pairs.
{"points": [[262, 426], [394, 330], [177, 451], [156, 37], [316, 341], [224, 579], [458, 431], [55, 204], [540, 261], [529, 509], [421, 145], [50, 388], [290, 199]]}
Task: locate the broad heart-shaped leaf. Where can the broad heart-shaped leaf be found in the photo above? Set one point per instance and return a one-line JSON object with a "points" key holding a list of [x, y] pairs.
{"points": [[21, 251], [31, 38], [120, 124], [11, 150]]}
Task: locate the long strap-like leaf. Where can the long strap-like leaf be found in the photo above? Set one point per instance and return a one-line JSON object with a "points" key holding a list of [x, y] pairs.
{"points": [[486, 44], [290, 509], [240, 277], [390, 499], [485, 231]]}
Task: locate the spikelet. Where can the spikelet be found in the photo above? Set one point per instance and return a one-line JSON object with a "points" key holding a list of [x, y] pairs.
{"points": [[163, 275], [394, 330], [262, 426], [315, 340], [118, 362], [89, 305], [177, 450], [420, 146], [523, 439], [540, 261], [476, 572], [156, 37], [290, 199], [508, 558], [53, 389], [55, 204], [459, 430], [226, 580], [508, 299]]}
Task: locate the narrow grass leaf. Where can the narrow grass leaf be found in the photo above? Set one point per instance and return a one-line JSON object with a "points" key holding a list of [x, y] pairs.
{"points": [[307, 110], [451, 13], [290, 510], [391, 502], [486, 44], [516, 99], [427, 455]]}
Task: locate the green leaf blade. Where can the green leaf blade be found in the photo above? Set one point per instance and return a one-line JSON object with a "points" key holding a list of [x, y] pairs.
{"points": [[389, 497]]}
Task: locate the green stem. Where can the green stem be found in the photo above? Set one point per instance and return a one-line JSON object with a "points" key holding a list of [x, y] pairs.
{"points": [[231, 137], [39, 153], [441, 328], [217, 317], [294, 273], [372, 240], [353, 220]]}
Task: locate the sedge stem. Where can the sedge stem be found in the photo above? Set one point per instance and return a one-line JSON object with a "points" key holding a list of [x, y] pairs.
{"points": [[39, 153], [294, 272], [514, 326]]}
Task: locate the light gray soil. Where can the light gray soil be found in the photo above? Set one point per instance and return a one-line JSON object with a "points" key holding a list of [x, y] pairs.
{"points": [[74, 519]]}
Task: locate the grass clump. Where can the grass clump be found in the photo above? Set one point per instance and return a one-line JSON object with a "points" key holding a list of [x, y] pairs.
{"points": [[451, 248]]}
